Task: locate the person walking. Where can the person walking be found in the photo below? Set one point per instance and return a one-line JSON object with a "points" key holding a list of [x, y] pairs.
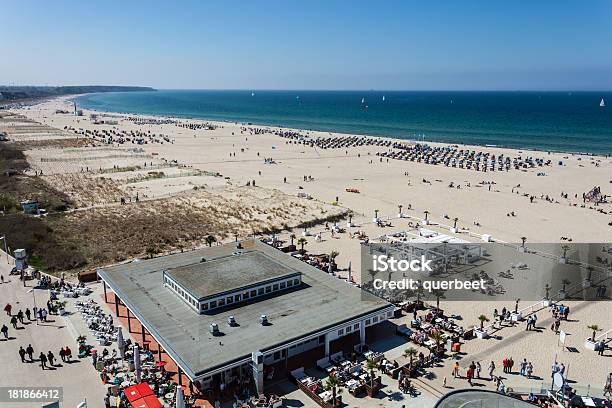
{"points": [[491, 369], [43, 360], [68, 354], [20, 316], [456, 369], [529, 370], [601, 348], [510, 365], [4, 331], [62, 355], [7, 309], [478, 368], [51, 358], [14, 322], [469, 375], [30, 352], [28, 314], [22, 354]]}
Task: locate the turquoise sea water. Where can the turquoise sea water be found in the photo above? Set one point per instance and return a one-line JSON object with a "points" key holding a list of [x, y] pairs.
{"points": [[559, 121]]}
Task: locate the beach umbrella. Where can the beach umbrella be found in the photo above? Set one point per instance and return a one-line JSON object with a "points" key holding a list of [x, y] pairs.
{"points": [[120, 342], [180, 400], [137, 368]]}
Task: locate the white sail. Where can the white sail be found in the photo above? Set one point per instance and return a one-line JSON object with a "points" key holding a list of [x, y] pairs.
{"points": [[252, 93], [362, 100], [602, 103], [383, 98]]}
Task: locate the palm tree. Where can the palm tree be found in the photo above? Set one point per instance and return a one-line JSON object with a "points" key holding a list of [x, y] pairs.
{"points": [[455, 224], [371, 365], [482, 319], [439, 294], [565, 249], [410, 352], [302, 241], [376, 214], [595, 329], [438, 338], [523, 239], [210, 240], [333, 384], [426, 214], [292, 236], [419, 293], [565, 282], [400, 208]]}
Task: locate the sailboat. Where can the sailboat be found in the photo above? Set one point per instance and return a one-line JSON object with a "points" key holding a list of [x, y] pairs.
{"points": [[383, 98], [252, 93], [362, 100], [602, 103]]}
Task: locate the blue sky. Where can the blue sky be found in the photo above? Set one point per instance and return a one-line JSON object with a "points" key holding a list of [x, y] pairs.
{"points": [[407, 45]]}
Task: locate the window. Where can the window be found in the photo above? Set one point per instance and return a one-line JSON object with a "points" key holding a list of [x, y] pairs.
{"points": [[389, 314], [253, 293], [347, 330], [230, 299], [260, 291], [213, 304], [375, 319], [268, 289], [276, 355], [275, 287], [289, 284], [341, 332], [245, 295], [367, 322], [356, 326], [322, 339], [221, 302], [296, 281], [283, 285], [237, 298], [204, 306]]}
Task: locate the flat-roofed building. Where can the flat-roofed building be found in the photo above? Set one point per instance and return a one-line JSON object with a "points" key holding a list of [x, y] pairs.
{"points": [[220, 311]]}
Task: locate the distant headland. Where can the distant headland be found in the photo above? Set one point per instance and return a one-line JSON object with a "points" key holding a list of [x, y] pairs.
{"points": [[19, 93]]}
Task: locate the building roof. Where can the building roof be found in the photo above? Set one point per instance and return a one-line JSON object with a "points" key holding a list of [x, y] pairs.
{"points": [[320, 302], [229, 273]]}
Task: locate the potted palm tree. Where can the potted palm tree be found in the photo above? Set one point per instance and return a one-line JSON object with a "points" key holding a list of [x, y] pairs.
{"points": [[349, 223], [522, 248], [333, 384], [375, 220], [438, 338], [591, 344], [400, 214], [563, 292], [454, 229], [426, 221], [301, 242], [563, 259], [481, 333], [374, 385], [409, 353]]}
